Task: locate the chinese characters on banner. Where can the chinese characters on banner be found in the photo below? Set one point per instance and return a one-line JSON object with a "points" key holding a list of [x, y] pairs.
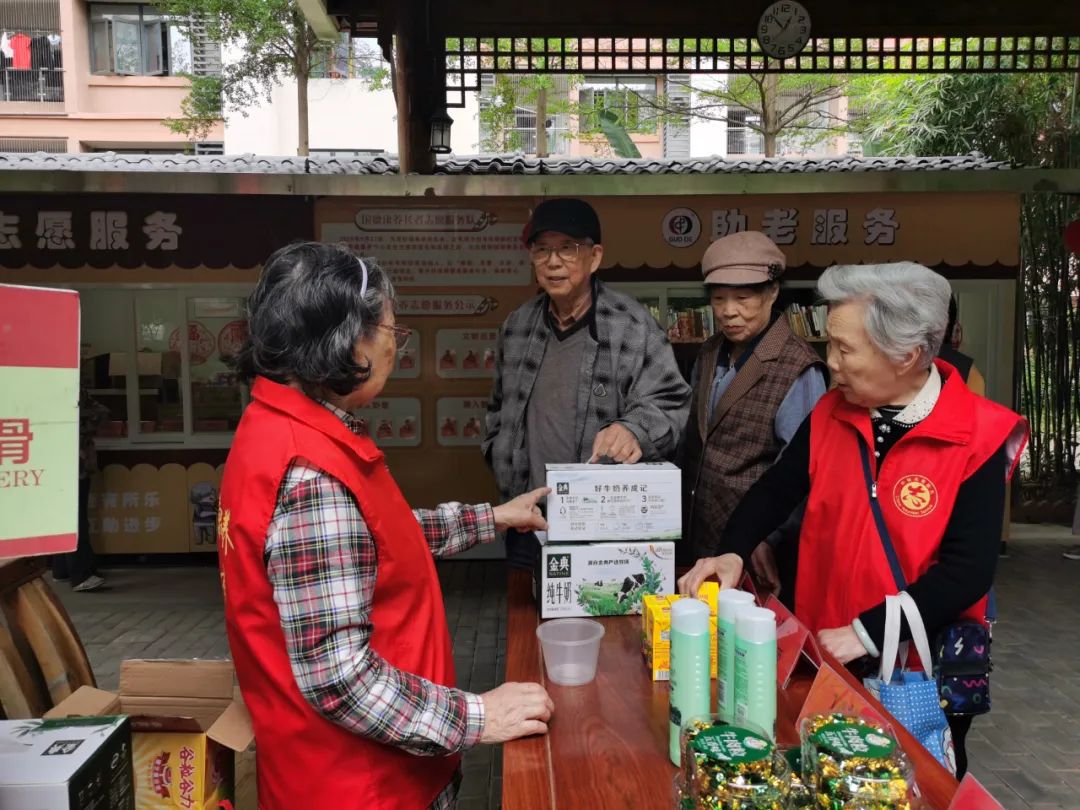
{"points": [[392, 421], [148, 233], [151, 509], [466, 353], [827, 226], [444, 306], [437, 247], [39, 421], [109, 230], [460, 420]]}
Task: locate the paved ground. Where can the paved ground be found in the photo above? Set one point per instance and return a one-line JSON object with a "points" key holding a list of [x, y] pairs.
{"points": [[1027, 752]]}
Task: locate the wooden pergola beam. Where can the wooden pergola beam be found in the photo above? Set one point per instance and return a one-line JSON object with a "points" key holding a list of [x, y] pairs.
{"points": [[715, 18], [418, 28]]}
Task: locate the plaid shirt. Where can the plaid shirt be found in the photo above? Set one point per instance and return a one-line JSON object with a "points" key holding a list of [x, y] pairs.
{"points": [[321, 562]]}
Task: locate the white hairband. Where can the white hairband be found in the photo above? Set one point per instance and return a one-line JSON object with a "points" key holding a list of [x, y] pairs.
{"points": [[363, 284]]}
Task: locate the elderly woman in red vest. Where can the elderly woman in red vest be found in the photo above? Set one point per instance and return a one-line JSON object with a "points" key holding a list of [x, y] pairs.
{"points": [[332, 604], [938, 459]]}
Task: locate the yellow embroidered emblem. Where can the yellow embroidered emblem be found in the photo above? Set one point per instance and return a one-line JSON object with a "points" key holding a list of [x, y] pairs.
{"points": [[915, 495], [225, 542]]}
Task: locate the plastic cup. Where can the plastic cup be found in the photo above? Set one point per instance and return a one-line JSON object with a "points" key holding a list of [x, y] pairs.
{"points": [[571, 648]]}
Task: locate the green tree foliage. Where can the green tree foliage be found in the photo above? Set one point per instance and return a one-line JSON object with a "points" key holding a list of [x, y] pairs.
{"points": [[268, 41], [796, 112], [1029, 120]]}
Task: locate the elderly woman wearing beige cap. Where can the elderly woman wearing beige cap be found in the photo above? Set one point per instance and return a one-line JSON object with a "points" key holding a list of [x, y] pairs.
{"points": [[754, 383]]}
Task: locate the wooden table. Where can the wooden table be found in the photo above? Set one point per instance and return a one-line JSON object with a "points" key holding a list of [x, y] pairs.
{"points": [[608, 742]]}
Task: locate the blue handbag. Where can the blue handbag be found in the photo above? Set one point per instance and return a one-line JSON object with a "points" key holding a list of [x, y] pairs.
{"points": [[911, 696]]}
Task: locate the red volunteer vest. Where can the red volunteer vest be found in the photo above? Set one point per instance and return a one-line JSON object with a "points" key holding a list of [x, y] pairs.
{"points": [[842, 565], [304, 760]]}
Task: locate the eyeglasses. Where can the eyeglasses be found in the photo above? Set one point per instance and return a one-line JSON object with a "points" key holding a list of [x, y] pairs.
{"points": [[567, 252], [401, 334]]}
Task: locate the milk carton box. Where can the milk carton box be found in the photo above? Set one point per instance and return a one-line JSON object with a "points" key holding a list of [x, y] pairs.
{"points": [[613, 502], [601, 579]]}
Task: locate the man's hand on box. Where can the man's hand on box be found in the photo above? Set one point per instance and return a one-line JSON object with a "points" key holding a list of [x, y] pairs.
{"points": [[617, 443], [522, 513], [515, 710]]}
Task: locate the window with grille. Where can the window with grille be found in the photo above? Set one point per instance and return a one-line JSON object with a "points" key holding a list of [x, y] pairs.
{"points": [[139, 40], [741, 139], [30, 145], [677, 127], [632, 99], [520, 134], [349, 58]]}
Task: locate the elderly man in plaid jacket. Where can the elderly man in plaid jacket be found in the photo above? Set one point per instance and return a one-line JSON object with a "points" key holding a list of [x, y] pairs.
{"points": [[583, 374]]}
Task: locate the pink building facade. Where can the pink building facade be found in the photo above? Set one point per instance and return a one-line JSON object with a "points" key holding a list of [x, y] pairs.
{"points": [[79, 76]]}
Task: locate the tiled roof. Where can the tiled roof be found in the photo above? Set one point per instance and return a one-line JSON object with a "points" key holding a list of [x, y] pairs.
{"points": [[498, 165]]}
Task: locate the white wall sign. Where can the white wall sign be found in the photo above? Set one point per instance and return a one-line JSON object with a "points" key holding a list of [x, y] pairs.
{"points": [[444, 305], [465, 353], [681, 227], [437, 247], [459, 421], [392, 421], [407, 364]]}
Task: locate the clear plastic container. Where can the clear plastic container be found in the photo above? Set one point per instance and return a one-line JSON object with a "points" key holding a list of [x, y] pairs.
{"points": [[850, 763], [571, 649], [680, 799], [731, 767], [799, 795]]}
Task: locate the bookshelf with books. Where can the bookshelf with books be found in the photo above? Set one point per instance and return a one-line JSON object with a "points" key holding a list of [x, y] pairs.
{"points": [[808, 321]]}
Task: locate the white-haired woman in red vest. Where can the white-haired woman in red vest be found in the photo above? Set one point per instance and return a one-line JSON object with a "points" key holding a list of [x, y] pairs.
{"points": [[333, 608], [900, 428]]}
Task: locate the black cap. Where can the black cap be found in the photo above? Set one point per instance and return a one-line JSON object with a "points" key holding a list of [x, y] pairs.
{"points": [[575, 218]]}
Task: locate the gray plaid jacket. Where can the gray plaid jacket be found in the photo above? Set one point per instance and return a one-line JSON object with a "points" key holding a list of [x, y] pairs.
{"points": [[628, 376]]}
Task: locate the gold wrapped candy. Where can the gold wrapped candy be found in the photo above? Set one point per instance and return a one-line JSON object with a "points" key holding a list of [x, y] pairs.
{"points": [[728, 767], [850, 764]]}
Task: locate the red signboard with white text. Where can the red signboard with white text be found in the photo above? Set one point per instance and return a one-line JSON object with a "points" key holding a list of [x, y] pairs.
{"points": [[39, 420]]}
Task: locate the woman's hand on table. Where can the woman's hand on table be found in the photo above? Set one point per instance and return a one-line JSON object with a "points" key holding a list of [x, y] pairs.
{"points": [[515, 710], [727, 568], [842, 643], [522, 513]]}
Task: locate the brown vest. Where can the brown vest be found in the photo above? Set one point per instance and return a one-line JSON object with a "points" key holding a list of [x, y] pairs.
{"points": [[726, 457]]}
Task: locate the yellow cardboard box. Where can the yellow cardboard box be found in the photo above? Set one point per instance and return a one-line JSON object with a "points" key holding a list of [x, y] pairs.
{"points": [[187, 727], [656, 632], [709, 593]]}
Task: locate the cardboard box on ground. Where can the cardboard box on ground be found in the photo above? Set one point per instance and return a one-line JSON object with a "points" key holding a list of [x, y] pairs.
{"points": [[188, 724], [72, 763]]}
